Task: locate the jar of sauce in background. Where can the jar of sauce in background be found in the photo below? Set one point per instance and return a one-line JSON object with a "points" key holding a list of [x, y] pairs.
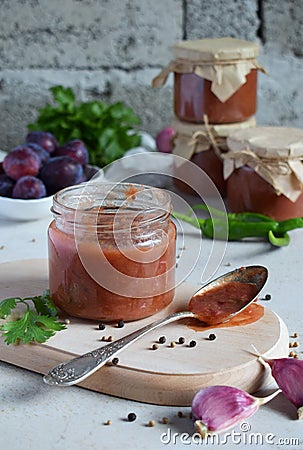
{"points": [[203, 145], [263, 170], [112, 251], [216, 78], [247, 191], [193, 99]]}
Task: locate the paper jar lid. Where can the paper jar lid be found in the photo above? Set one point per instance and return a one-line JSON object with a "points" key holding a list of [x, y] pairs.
{"points": [[194, 138], [225, 62], [275, 153], [219, 49], [270, 142]]}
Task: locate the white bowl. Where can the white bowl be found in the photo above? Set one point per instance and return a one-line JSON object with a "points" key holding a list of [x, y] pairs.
{"points": [[34, 209], [19, 209]]}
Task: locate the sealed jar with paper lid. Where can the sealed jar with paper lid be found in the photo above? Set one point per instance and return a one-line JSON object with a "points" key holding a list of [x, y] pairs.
{"points": [[112, 251], [214, 77], [202, 145], [263, 169]]}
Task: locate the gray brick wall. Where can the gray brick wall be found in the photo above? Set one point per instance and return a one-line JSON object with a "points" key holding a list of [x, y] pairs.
{"points": [[219, 18], [111, 50]]}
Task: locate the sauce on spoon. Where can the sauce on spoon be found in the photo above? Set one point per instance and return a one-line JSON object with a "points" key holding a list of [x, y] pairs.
{"points": [[218, 304], [251, 314]]}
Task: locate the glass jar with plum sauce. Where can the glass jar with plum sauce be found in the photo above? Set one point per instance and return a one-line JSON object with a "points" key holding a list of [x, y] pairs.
{"points": [[112, 251], [202, 145], [263, 169], [216, 78]]}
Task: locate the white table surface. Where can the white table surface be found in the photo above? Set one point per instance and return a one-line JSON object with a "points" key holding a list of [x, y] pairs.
{"points": [[35, 416]]}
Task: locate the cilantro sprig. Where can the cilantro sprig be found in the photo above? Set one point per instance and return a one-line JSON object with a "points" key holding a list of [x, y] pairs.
{"points": [[107, 130], [36, 325]]}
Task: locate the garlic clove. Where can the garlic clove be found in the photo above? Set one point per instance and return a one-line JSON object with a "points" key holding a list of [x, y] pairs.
{"points": [[288, 374], [218, 408]]}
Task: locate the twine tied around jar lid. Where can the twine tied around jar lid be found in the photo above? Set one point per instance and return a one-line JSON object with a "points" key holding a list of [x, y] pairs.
{"points": [[224, 61], [194, 138], [212, 136], [274, 153]]}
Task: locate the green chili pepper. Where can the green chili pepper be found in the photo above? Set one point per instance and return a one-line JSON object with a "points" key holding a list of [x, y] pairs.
{"points": [[242, 225], [289, 224], [278, 241], [249, 217]]}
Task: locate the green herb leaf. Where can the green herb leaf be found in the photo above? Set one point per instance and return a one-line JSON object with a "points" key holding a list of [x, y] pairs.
{"points": [[30, 328], [35, 325], [106, 130], [45, 305], [6, 306], [63, 96]]}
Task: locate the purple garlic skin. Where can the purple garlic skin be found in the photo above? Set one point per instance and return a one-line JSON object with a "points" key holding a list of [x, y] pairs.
{"points": [[288, 373], [218, 408]]}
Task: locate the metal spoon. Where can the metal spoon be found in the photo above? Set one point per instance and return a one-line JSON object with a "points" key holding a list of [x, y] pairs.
{"points": [[79, 368]]}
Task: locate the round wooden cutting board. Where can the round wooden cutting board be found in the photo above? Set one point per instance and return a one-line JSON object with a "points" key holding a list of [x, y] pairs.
{"points": [[169, 375]]}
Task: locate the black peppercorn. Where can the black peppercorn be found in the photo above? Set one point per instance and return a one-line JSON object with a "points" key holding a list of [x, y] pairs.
{"points": [[181, 340], [212, 337], [162, 340], [267, 297], [120, 324], [101, 326], [115, 361], [192, 343], [131, 417]]}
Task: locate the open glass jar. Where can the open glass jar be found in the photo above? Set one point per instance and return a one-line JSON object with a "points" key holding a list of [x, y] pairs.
{"points": [[112, 250], [214, 77], [263, 169]]}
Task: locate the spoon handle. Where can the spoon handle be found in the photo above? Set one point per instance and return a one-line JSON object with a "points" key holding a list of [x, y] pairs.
{"points": [[79, 368]]}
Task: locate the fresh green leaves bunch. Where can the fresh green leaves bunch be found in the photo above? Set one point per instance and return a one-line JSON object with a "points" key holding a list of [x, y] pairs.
{"points": [[36, 325], [106, 130]]}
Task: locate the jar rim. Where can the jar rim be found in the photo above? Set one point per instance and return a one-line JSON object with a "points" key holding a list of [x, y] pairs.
{"points": [[82, 203]]}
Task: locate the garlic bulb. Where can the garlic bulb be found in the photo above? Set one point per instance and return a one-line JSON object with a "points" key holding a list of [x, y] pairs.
{"points": [[218, 408]]}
